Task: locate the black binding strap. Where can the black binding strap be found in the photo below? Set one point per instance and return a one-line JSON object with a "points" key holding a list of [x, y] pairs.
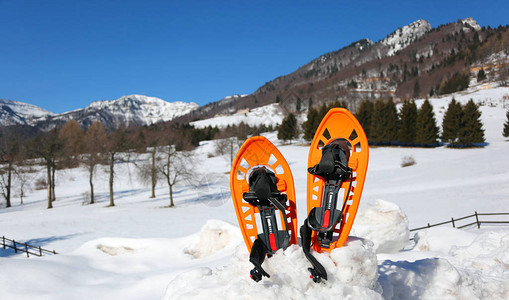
{"points": [[263, 193], [333, 168]]}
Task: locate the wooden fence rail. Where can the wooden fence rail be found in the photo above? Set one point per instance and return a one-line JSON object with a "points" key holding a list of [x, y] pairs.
{"points": [[478, 222], [25, 247]]}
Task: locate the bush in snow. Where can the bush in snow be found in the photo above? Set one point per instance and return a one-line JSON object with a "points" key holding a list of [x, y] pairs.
{"points": [[385, 224], [408, 161]]}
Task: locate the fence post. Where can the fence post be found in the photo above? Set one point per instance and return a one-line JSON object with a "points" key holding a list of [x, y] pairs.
{"points": [[477, 220], [453, 225], [26, 249], [14, 244], [3, 241], [40, 251]]}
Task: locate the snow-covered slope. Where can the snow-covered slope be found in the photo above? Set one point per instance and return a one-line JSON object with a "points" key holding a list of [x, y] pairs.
{"points": [[269, 115], [140, 249], [405, 35], [15, 113]]}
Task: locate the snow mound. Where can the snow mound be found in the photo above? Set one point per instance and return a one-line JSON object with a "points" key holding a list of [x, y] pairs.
{"points": [[489, 253], [478, 270], [431, 278], [214, 236], [352, 272], [441, 239], [385, 224]]}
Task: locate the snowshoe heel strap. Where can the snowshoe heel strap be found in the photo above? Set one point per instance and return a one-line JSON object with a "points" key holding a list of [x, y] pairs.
{"points": [[323, 220]]}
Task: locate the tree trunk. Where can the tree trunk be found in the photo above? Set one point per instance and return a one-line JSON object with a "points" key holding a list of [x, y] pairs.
{"points": [[90, 177], [48, 175], [112, 164], [153, 174], [8, 187], [171, 195], [53, 196]]}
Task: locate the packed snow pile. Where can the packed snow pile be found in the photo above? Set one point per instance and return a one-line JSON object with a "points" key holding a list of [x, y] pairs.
{"points": [[440, 239], [385, 224], [352, 272], [214, 236], [460, 265]]}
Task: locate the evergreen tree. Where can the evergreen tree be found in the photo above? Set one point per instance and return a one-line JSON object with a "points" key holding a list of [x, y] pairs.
{"points": [[408, 123], [471, 131], [506, 126], [322, 112], [364, 115], [377, 122], [288, 129], [427, 130], [452, 123], [391, 116], [481, 75], [311, 124]]}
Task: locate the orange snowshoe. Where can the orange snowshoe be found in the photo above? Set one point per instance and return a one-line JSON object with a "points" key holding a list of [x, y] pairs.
{"points": [[337, 165], [262, 188]]}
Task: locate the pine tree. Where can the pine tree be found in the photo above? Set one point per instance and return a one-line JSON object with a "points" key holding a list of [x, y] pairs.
{"points": [[391, 117], [384, 123], [452, 123], [377, 122], [471, 131], [506, 126], [311, 124], [364, 115], [408, 123], [427, 130], [288, 129]]}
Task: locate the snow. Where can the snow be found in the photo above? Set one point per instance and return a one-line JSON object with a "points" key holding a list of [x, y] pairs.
{"points": [[269, 115], [385, 224], [405, 35], [141, 249]]}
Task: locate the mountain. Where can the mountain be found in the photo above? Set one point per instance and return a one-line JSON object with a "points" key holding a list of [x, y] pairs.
{"points": [[133, 110], [19, 113], [413, 61]]}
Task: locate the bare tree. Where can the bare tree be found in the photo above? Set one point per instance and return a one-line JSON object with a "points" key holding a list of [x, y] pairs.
{"points": [[72, 139], [176, 166], [95, 147], [9, 149], [47, 146], [116, 143], [227, 147]]}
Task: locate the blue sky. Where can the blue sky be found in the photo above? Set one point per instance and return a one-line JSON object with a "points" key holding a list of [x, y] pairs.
{"points": [[62, 55]]}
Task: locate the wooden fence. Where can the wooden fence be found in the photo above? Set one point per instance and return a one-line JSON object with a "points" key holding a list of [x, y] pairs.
{"points": [[25, 247], [476, 219]]}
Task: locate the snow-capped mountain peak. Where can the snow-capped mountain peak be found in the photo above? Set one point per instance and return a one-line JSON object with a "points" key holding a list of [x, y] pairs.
{"points": [[405, 35], [15, 112], [124, 111], [472, 23]]}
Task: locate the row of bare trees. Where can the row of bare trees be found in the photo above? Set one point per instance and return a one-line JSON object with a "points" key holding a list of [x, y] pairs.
{"points": [[166, 149], [71, 146]]}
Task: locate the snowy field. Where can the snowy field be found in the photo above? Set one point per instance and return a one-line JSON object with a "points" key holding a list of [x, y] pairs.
{"points": [[140, 249]]}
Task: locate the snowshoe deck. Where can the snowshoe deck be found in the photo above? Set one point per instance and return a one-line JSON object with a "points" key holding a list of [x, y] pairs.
{"points": [[262, 187], [338, 124], [337, 165]]}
